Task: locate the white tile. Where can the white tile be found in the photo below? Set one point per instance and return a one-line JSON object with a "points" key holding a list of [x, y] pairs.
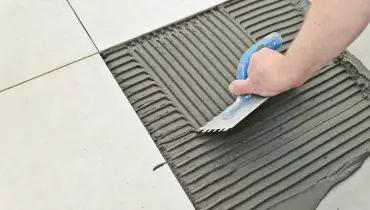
{"points": [[361, 47], [71, 140], [38, 36], [111, 22], [351, 194]]}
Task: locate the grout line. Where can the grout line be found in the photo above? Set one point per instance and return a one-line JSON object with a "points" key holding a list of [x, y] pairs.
{"points": [[83, 26], [33, 78]]}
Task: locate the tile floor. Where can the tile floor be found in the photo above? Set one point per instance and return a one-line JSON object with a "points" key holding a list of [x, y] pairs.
{"points": [[38, 36], [112, 21], [62, 146], [69, 138]]}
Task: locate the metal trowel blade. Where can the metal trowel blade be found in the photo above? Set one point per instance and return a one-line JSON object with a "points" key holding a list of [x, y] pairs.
{"points": [[220, 123]]}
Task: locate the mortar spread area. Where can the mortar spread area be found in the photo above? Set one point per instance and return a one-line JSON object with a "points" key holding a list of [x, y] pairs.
{"points": [[285, 155]]}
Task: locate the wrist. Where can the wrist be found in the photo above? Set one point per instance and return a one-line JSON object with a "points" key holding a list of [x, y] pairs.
{"points": [[291, 74]]}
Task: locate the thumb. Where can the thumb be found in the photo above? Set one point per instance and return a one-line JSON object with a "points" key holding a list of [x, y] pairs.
{"points": [[241, 87]]}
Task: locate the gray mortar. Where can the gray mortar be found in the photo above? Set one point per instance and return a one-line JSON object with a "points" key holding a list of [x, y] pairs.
{"points": [[311, 197], [176, 80]]}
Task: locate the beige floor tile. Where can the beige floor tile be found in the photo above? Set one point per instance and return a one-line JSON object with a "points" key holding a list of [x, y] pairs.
{"points": [[38, 36], [111, 22], [70, 140], [361, 47]]}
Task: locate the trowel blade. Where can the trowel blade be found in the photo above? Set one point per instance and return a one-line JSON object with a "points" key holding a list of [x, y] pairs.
{"points": [[220, 123]]}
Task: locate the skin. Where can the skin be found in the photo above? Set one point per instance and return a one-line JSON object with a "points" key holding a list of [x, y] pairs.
{"points": [[324, 35]]}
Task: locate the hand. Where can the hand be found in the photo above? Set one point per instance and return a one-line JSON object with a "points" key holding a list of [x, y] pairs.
{"points": [[265, 77]]}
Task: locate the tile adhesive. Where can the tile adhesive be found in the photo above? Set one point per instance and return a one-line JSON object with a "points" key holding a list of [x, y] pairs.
{"points": [[285, 155]]}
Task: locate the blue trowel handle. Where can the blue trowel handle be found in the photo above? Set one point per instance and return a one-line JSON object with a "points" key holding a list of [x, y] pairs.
{"points": [[272, 41]]}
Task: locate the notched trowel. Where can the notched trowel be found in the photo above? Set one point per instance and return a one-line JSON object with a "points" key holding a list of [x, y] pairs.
{"points": [[244, 104]]}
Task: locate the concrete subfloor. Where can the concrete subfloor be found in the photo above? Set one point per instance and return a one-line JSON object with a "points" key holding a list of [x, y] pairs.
{"points": [[69, 138]]}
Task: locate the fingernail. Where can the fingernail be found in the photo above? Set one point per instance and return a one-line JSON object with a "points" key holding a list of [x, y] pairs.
{"points": [[231, 88]]}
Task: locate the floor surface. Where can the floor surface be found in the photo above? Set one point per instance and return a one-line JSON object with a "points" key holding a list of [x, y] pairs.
{"points": [[113, 21], [62, 146], [38, 36], [69, 138]]}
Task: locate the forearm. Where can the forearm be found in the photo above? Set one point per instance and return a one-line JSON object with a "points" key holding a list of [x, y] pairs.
{"points": [[329, 28]]}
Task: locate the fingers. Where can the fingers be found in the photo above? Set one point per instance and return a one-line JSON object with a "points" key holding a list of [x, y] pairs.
{"points": [[241, 87]]}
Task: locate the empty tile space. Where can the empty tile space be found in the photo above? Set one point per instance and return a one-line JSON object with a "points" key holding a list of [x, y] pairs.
{"points": [[38, 36], [111, 22], [70, 140], [351, 194], [361, 47]]}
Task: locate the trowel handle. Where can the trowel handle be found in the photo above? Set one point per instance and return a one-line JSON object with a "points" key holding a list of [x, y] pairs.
{"points": [[272, 41]]}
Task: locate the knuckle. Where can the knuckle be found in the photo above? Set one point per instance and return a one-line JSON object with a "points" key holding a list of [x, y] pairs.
{"points": [[254, 58], [264, 50]]}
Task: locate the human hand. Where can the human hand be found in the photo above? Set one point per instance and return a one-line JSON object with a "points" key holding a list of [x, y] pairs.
{"points": [[265, 76]]}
